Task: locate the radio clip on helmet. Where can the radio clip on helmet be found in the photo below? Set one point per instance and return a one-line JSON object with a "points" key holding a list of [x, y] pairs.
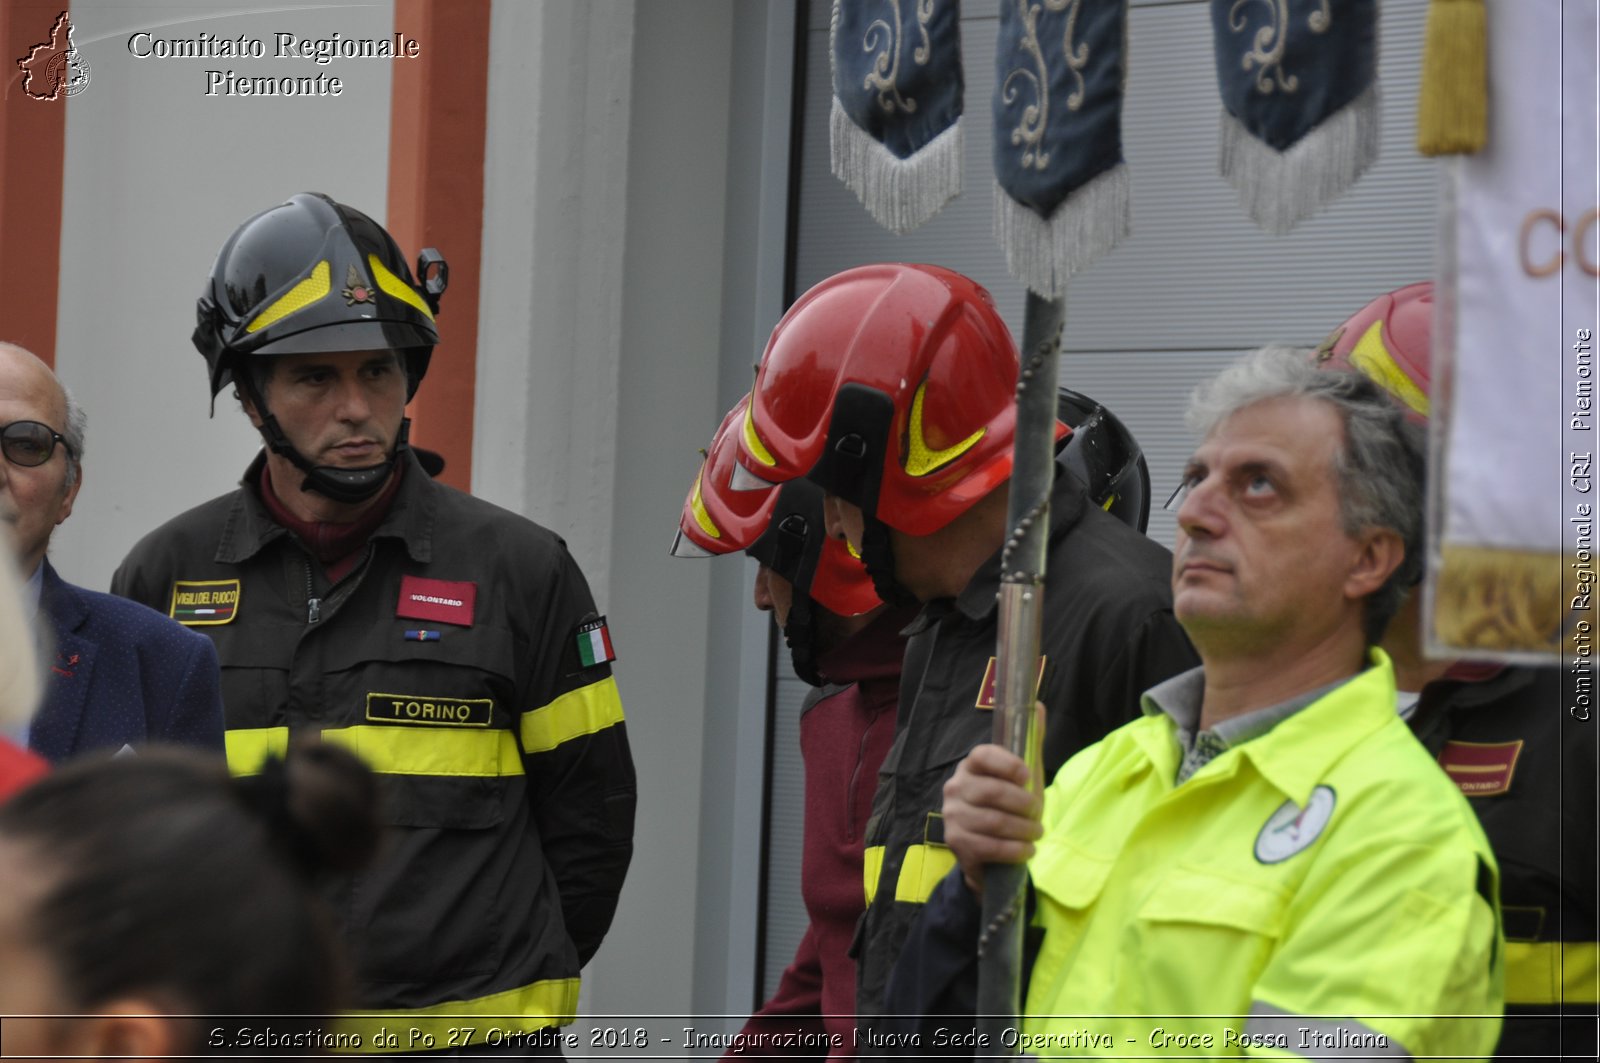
{"points": [[315, 276], [891, 386]]}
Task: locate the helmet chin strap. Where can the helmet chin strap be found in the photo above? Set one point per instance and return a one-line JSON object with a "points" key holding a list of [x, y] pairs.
{"points": [[800, 633], [877, 555], [346, 486]]}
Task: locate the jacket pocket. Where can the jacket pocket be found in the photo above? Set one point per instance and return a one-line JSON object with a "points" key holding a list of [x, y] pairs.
{"points": [[436, 904], [1202, 938], [1067, 875]]}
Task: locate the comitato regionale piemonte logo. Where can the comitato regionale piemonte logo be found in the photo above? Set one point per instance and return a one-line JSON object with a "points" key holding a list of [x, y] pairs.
{"points": [[54, 68]]}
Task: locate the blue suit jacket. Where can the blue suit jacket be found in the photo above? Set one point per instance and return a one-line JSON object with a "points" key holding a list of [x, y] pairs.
{"points": [[120, 673]]}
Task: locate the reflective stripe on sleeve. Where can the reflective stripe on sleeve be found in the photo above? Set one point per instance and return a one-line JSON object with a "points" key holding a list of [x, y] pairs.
{"points": [[431, 750], [871, 868], [1318, 1037], [1552, 972], [576, 713], [463, 1023], [921, 871], [249, 747]]}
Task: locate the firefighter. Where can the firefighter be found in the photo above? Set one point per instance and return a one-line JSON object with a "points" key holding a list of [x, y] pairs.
{"points": [[453, 645], [890, 387], [1502, 733], [847, 644]]}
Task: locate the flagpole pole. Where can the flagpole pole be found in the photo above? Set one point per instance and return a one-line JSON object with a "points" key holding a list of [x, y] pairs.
{"points": [[1017, 665]]}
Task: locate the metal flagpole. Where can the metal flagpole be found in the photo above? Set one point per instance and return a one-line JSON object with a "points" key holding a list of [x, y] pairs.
{"points": [[1017, 653]]}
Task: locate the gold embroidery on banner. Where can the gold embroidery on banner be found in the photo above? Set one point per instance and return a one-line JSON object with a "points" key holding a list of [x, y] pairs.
{"points": [[1319, 21], [1077, 57], [1036, 116], [924, 51], [885, 73], [1267, 47], [1029, 132]]}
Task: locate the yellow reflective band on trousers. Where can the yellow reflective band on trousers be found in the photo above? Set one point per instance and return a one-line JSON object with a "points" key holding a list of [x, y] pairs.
{"points": [[871, 868], [574, 714], [249, 747], [461, 1023], [1552, 972], [431, 750]]}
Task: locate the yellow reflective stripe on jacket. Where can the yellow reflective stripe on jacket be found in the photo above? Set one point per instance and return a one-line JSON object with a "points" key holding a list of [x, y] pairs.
{"points": [[431, 750], [921, 871], [1552, 972], [574, 714], [871, 868], [249, 747], [461, 1023]]}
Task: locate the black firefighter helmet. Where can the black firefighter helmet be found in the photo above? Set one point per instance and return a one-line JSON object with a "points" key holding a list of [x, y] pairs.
{"points": [[1106, 457], [315, 276]]}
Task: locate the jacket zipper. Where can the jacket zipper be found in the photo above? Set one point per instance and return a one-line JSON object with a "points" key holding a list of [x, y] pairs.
{"points": [[313, 604]]}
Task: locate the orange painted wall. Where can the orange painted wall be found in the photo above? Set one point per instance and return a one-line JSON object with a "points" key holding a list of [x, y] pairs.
{"points": [[32, 151], [438, 111]]}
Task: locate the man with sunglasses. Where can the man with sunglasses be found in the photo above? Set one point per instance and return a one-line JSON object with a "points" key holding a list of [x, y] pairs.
{"points": [[119, 674]]}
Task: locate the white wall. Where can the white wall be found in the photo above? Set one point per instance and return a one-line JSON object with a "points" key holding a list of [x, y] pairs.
{"points": [[157, 177], [597, 377]]}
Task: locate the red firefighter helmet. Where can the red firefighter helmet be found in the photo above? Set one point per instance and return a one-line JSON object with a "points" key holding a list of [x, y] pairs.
{"points": [[780, 526], [891, 386], [717, 520], [1390, 340]]}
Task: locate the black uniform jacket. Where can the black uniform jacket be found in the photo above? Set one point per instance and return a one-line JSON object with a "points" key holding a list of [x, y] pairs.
{"points": [[1108, 635], [452, 660], [1528, 765]]}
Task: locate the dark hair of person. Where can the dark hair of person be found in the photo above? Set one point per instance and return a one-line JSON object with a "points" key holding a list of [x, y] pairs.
{"points": [[169, 880]]}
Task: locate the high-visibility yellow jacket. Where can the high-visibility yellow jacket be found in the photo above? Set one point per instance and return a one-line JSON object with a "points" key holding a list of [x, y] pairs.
{"points": [[1318, 891]]}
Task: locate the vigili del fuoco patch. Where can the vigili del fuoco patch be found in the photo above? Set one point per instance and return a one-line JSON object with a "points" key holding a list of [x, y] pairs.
{"points": [[206, 601]]}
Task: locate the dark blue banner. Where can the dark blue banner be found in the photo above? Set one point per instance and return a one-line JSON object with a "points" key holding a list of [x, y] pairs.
{"points": [[897, 86], [1059, 72]]}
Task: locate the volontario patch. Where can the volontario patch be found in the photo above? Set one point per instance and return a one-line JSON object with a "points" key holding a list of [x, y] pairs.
{"points": [[986, 689], [1480, 769], [444, 600]]}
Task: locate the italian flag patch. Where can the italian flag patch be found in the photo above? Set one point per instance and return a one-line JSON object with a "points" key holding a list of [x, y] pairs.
{"points": [[594, 644]]}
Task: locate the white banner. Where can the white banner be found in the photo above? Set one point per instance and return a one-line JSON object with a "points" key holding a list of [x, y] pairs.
{"points": [[1512, 564]]}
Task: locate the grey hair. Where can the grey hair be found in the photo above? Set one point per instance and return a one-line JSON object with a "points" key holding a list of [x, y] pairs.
{"points": [[76, 430], [1381, 468]]}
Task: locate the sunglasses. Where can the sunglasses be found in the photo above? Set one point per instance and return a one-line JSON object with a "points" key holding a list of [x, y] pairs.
{"points": [[29, 443]]}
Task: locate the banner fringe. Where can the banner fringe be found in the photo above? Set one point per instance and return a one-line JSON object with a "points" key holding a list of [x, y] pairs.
{"points": [[900, 194], [1280, 189], [1043, 253], [1494, 601]]}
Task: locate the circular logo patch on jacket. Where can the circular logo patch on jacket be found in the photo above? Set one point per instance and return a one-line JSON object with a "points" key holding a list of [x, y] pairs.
{"points": [[1292, 828]]}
